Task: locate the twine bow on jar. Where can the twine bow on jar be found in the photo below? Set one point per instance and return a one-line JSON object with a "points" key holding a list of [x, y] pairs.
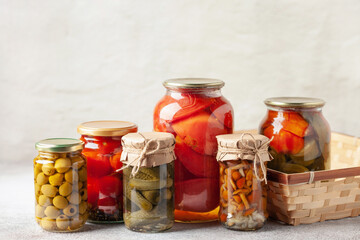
{"points": [[145, 154], [248, 149]]}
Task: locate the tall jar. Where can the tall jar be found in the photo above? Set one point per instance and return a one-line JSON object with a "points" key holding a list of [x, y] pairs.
{"points": [[243, 196], [301, 135], [60, 185], [148, 181], [195, 112], [103, 150]]}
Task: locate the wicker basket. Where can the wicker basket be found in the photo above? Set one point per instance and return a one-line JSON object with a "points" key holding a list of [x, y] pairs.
{"points": [[304, 198]]}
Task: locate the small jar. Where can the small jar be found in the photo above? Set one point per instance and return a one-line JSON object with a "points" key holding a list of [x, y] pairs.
{"points": [[148, 181], [301, 135], [243, 196], [60, 185], [103, 150], [195, 112]]}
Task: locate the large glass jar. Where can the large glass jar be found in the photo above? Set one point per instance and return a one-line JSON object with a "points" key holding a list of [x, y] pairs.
{"points": [[195, 112], [243, 195], [103, 150], [148, 181], [301, 135], [60, 185]]}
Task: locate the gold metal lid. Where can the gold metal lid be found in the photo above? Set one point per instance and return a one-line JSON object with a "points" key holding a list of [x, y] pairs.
{"points": [[59, 145], [294, 102], [193, 83], [106, 128]]}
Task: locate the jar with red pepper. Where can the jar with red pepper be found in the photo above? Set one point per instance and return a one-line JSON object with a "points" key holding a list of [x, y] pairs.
{"points": [[195, 112], [103, 151], [301, 135]]}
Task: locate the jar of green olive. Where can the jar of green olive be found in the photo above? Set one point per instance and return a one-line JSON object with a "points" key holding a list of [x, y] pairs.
{"points": [[60, 179], [148, 181]]}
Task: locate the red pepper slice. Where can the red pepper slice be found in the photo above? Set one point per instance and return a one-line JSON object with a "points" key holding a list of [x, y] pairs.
{"points": [[198, 164], [110, 186], [284, 141], [199, 132], [295, 123], [197, 195], [223, 112]]}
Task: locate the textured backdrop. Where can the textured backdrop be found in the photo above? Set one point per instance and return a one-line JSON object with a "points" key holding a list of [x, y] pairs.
{"points": [[65, 62]]}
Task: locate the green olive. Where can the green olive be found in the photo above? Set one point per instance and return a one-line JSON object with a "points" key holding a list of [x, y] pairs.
{"points": [[48, 224], [83, 194], [39, 211], [49, 190], [71, 176], [74, 198], [62, 222], [48, 169], [65, 189], [52, 212], [62, 165], [76, 223], [56, 179], [37, 169], [60, 202], [70, 210], [83, 207], [77, 162], [82, 174], [44, 200]]}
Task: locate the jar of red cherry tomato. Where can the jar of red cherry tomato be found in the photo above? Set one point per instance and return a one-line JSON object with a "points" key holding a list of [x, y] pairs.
{"points": [[301, 134], [195, 112], [103, 150]]}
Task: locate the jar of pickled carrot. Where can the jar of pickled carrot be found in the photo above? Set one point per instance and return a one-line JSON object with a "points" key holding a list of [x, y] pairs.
{"points": [[301, 134], [103, 151], [195, 112], [243, 159]]}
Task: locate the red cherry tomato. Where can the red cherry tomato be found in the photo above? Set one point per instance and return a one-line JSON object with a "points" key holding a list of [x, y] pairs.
{"points": [[199, 132], [98, 165], [198, 164], [110, 186], [115, 161], [108, 205], [284, 141], [92, 191], [197, 195]]}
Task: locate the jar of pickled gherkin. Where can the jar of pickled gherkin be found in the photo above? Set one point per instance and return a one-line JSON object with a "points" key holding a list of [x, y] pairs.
{"points": [[60, 185], [195, 112], [243, 196], [103, 150], [148, 181], [301, 134]]}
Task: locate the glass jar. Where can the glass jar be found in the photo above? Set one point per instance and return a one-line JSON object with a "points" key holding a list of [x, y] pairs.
{"points": [[243, 195], [301, 134], [103, 150], [195, 112], [148, 181], [60, 185]]}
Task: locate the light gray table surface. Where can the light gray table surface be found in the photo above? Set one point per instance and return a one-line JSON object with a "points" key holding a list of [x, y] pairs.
{"points": [[17, 220]]}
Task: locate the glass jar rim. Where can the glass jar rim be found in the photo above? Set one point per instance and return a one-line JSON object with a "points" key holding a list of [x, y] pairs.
{"points": [[193, 83], [59, 145], [294, 102], [106, 128]]}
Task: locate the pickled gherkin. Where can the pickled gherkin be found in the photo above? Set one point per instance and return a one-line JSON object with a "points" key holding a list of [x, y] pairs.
{"points": [[152, 197], [148, 181]]}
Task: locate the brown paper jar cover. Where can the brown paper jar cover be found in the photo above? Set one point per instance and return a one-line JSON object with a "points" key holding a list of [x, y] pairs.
{"points": [[156, 147]]}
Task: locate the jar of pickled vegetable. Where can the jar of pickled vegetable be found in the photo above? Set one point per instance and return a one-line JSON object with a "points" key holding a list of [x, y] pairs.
{"points": [[243, 196], [301, 134], [148, 181], [103, 150], [195, 112], [60, 185]]}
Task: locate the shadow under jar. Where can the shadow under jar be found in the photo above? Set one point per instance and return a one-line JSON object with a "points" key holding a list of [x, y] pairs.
{"points": [[195, 112], [148, 181], [103, 150], [301, 135], [243, 195], [60, 185]]}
